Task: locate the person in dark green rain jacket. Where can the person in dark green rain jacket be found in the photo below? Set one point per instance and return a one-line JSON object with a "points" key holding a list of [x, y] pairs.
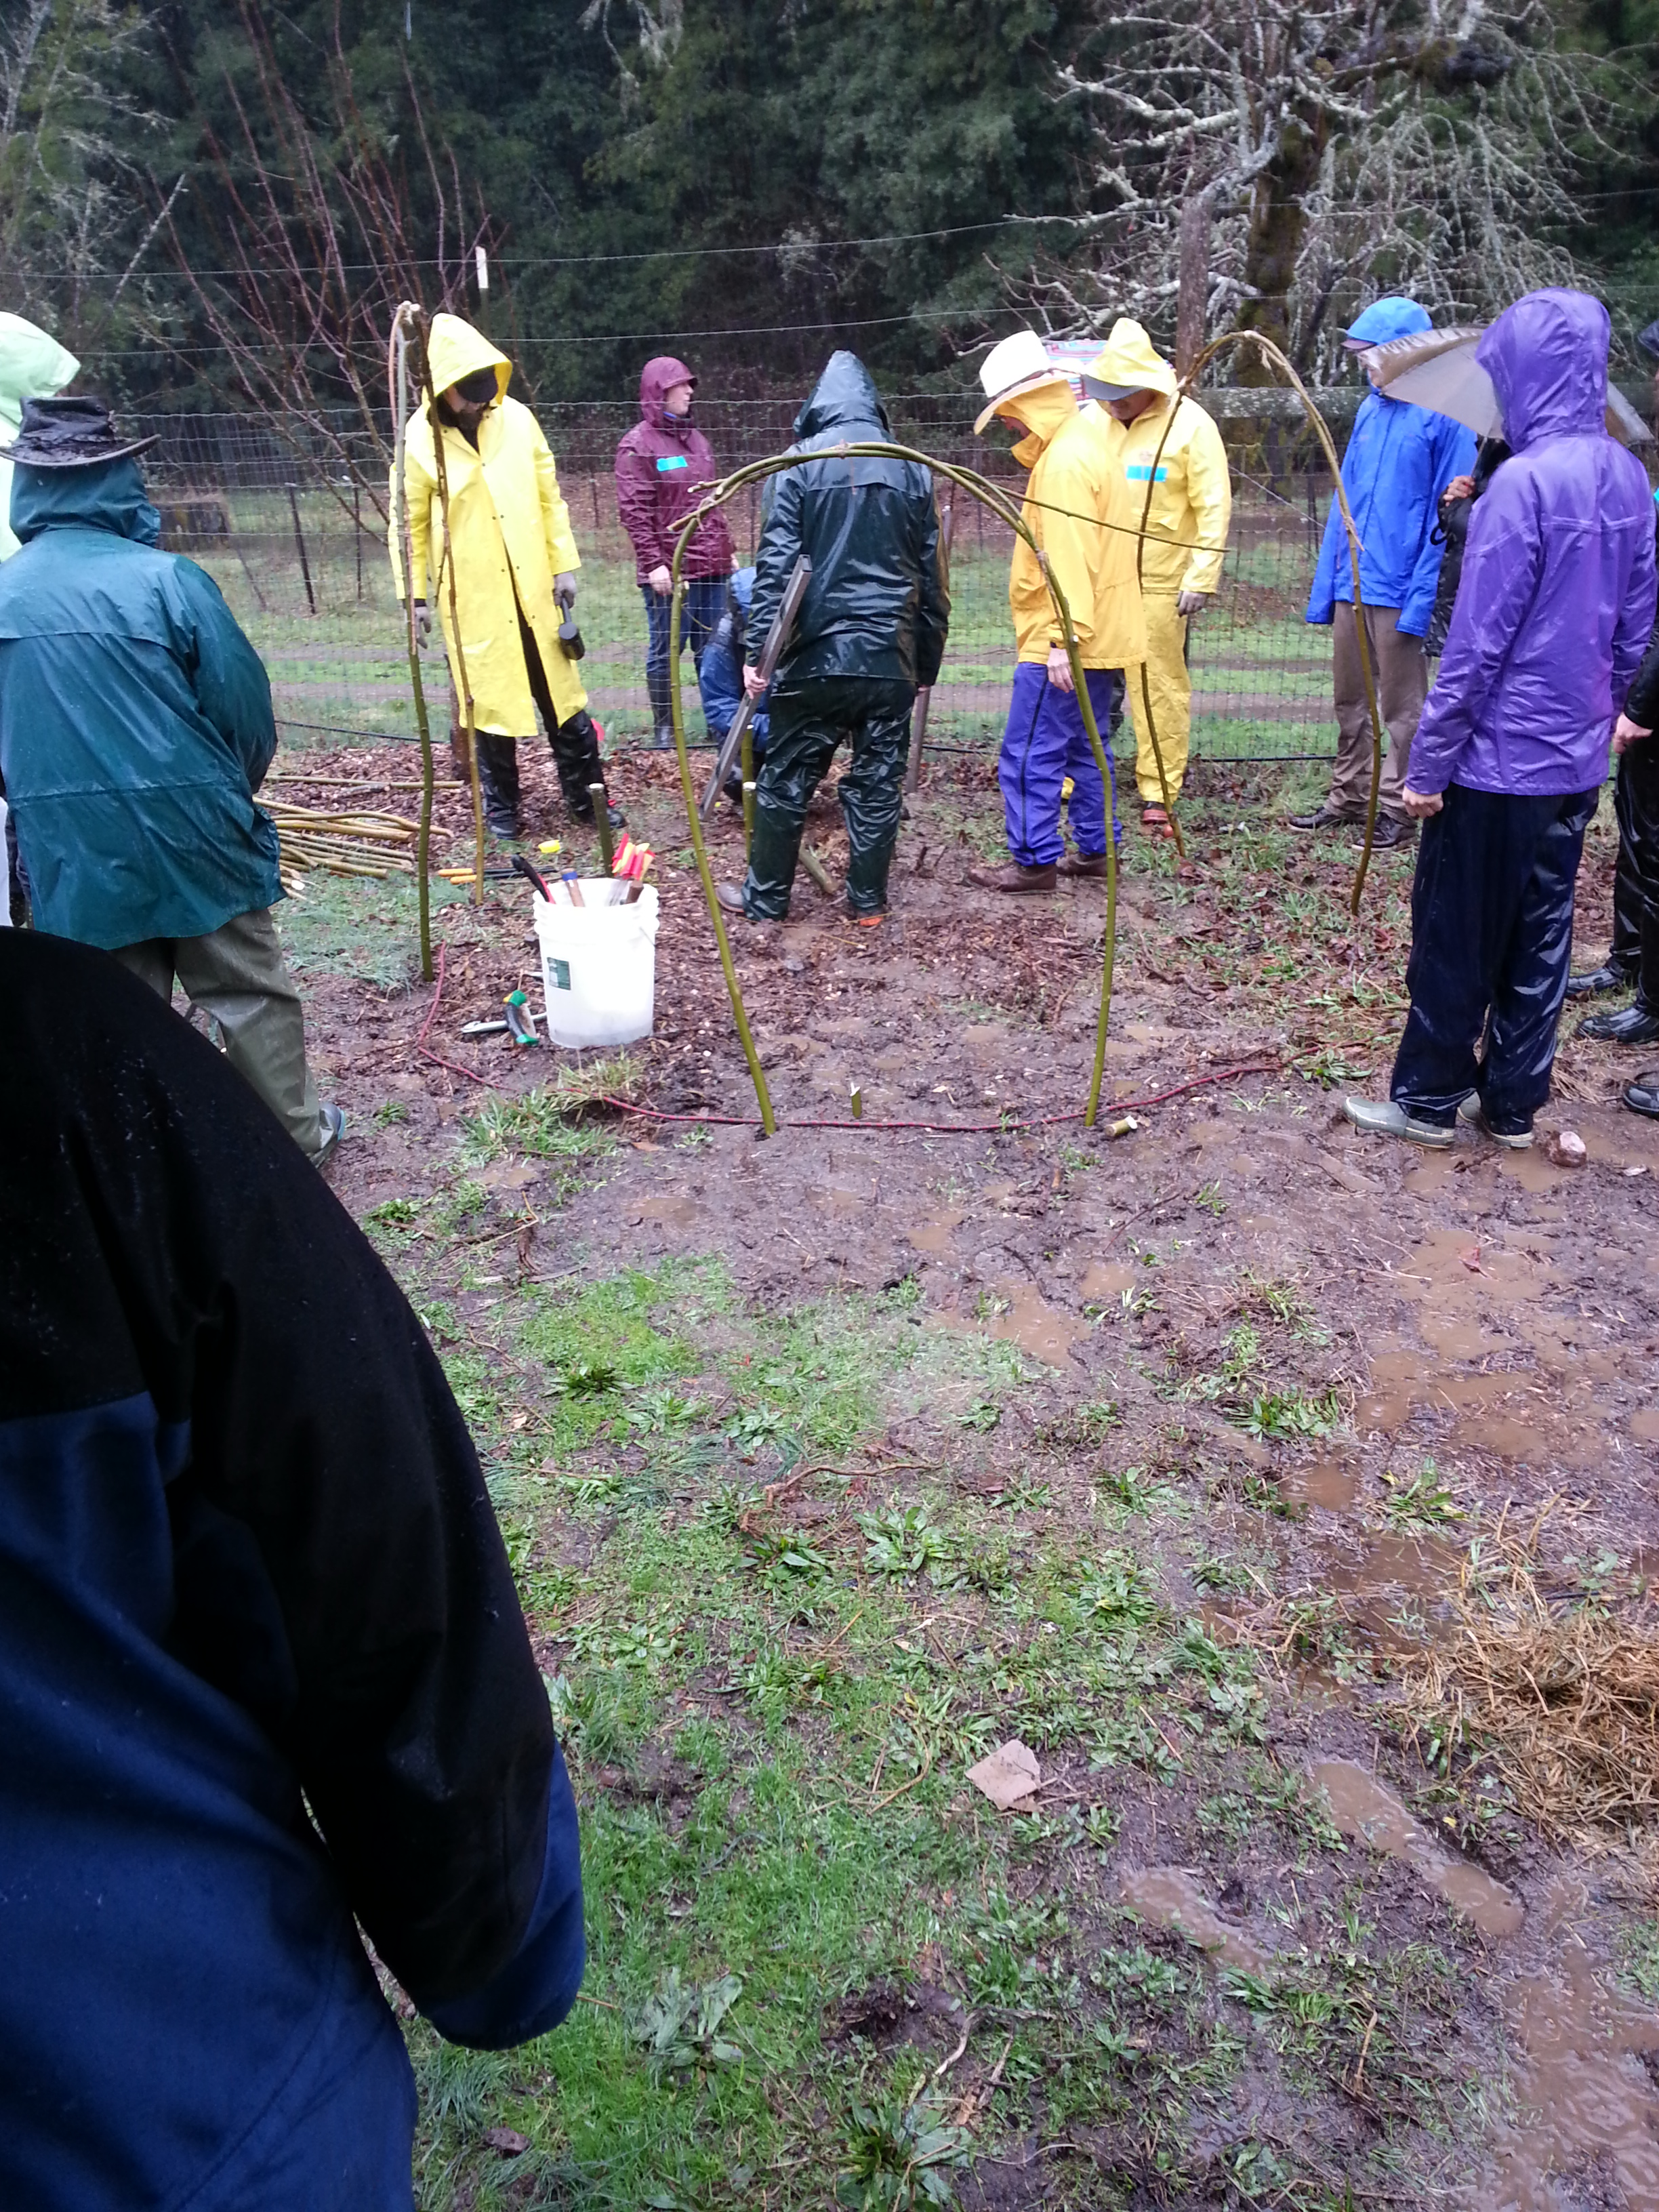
{"points": [[135, 725], [870, 631]]}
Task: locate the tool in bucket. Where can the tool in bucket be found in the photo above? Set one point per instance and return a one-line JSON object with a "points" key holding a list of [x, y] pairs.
{"points": [[776, 638]]}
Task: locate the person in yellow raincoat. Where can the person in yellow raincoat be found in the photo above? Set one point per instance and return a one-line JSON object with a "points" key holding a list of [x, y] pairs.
{"points": [[33, 365], [515, 563], [1187, 525], [1078, 507]]}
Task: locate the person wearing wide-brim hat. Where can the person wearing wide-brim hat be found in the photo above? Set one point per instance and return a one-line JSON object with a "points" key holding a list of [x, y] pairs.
{"points": [[135, 725], [1077, 508]]}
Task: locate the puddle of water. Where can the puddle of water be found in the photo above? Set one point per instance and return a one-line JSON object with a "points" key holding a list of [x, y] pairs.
{"points": [[1045, 1332], [1110, 1279], [1421, 1565], [508, 1175], [1169, 1896], [842, 1199], [1324, 1484], [1364, 1807], [935, 1236], [675, 1213], [1581, 2094]]}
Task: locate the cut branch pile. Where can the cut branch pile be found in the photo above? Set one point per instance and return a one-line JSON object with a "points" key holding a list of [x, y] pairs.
{"points": [[1562, 1707], [359, 843]]}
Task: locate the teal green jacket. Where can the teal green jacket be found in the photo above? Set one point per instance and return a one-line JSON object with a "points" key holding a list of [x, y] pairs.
{"points": [[134, 721]]}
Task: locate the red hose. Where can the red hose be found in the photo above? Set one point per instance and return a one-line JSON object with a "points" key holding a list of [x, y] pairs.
{"points": [[437, 1058], [944, 1128]]}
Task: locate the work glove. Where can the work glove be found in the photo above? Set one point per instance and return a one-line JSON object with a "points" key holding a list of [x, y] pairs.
{"points": [[564, 591], [422, 625], [1192, 602]]}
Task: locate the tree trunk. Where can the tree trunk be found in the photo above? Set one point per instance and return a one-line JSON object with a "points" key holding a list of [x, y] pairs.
{"points": [[1278, 220], [1192, 287]]}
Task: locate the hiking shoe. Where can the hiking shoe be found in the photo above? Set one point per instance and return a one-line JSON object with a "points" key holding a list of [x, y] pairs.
{"points": [[334, 1124], [1155, 821], [730, 897], [1012, 878], [1642, 1097], [1091, 865], [1324, 816], [1391, 830], [1474, 1114], [1384, 1117], [1609, 977]]}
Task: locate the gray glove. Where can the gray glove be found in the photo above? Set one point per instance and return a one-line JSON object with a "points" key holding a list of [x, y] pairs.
{"points": [[1192, 602], [423, 625], [564, 591]]}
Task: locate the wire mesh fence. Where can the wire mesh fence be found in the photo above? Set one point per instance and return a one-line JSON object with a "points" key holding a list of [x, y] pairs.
{"points": [[296, 540]]}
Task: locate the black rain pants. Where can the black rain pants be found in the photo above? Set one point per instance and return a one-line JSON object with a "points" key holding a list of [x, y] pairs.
{"points": [[1635, 882], [808, 721], [1492, 941]]}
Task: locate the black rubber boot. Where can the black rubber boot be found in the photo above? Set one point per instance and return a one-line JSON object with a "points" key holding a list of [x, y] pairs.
{"points": [[1611, 975], [498, 780], [1638, 1023], [575, 749], [774, 853], [872, 794]]}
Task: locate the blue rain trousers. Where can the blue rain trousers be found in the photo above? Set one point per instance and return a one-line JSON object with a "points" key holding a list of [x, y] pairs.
{"points": [[1491, 941], [1044, 743]]}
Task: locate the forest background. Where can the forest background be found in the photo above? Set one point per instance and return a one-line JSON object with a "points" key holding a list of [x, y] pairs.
{"points": [[215, 202]]}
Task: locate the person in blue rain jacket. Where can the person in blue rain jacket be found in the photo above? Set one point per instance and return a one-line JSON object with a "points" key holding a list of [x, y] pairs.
{"points": [[1399, 460]]}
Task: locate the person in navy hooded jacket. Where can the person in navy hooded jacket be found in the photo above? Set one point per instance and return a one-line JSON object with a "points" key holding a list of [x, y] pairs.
{"points": [[1399, 460], [1555, 608], [263, 1678]]}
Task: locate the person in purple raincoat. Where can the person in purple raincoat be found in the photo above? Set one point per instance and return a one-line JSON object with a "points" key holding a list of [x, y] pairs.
{"points": [[1555, 608]]}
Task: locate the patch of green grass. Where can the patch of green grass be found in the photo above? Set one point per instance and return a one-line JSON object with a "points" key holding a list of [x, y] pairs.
{"points": [[1421, 1500], [359, 927], [601, 1343], [769, 1699]]}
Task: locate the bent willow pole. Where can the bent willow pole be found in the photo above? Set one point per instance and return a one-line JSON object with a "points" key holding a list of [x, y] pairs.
{"points": [[1274, 358], [1005, 511], [397, 378]]}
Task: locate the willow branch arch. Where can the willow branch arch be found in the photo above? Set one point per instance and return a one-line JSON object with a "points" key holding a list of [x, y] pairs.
{"points": [[1008, 512]]}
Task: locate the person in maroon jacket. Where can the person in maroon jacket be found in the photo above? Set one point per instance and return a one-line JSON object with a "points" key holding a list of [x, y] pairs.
{"points": [[664, 468]]}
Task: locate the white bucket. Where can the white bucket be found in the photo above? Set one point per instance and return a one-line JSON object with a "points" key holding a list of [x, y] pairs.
{"points": [[599, 965]]}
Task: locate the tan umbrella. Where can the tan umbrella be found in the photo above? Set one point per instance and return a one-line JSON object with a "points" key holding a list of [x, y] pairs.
{"points": [[1439, 370]]}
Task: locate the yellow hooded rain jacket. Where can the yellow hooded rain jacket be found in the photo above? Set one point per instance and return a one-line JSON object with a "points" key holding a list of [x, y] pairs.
{"points": [[1193, 499], [513, 536], [1072, 482]]}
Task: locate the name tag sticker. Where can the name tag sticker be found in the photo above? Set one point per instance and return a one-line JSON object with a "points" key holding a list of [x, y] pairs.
{"points": [[672, 461], [1139, 471]]}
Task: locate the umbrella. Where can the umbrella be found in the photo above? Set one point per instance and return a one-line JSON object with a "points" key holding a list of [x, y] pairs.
{"points": [[1439, 370]]}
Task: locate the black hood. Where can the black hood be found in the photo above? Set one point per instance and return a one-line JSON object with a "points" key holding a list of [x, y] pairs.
{"points": [[845, 398]]}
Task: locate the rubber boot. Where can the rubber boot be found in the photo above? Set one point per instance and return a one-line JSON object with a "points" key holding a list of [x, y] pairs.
{"points": [[871, 794], [773, 854], [662, 711], [575, 749], [1638, 1023], [498, 780]]}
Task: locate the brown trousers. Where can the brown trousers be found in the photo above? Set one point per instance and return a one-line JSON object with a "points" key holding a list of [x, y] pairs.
{"points": [[237, 974], [1400, 670]]}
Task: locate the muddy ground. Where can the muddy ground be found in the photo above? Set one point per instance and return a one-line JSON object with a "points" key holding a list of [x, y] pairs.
{"points": [[1293, 1388]]}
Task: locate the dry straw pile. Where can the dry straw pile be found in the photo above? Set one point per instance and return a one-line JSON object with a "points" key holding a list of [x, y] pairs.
{"points": [[1561, 1703]]}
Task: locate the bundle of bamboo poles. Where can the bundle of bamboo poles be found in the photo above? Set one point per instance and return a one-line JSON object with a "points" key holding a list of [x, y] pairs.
{"points": [[360, 842]]}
